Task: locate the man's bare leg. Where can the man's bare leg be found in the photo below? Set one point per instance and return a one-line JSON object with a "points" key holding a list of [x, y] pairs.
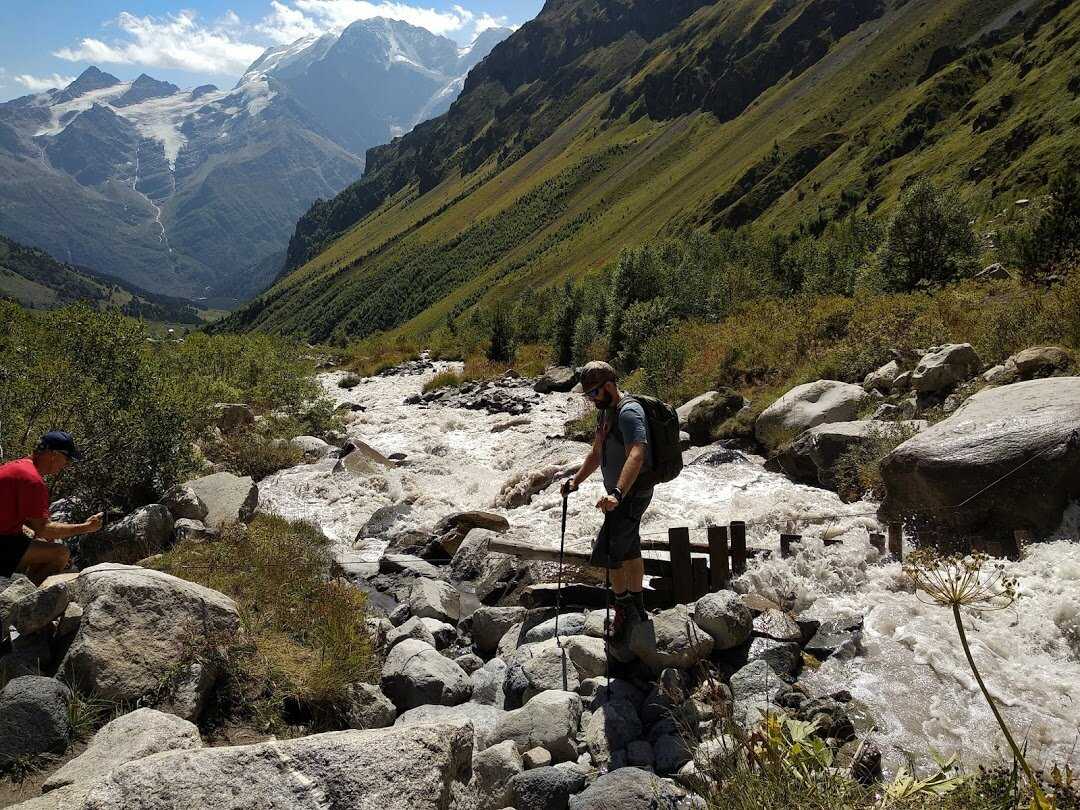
{"points": [[633, 572], [41, 560]]}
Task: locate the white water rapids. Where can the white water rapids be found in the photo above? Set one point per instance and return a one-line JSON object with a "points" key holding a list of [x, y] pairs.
{"points": [[912, 677]]}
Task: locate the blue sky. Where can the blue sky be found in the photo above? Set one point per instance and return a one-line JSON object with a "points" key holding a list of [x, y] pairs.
{"points": [[44, 43]]}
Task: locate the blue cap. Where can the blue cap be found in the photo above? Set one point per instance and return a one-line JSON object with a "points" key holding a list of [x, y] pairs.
{"points": [[59, 441]]}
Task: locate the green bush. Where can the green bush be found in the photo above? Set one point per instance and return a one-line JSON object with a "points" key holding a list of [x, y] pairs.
{"points": [[1054, 241], [502, 347]]}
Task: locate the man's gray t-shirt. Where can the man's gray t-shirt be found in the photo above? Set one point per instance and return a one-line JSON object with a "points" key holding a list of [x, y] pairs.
{"points": [[631, 428]]}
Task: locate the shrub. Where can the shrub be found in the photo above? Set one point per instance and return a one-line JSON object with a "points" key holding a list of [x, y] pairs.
{"points": [[1054, 241], [249, 453], [929, 239], [501, 348], [663, 360], [858, 470], [349, 381]]}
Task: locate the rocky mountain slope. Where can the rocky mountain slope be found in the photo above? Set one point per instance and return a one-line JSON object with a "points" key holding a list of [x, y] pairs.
{"points": [[195, 192], [598, 126], [34, 279]]}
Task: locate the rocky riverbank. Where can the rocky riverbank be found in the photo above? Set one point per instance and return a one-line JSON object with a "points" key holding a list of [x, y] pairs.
{"points": [[478, 704]]}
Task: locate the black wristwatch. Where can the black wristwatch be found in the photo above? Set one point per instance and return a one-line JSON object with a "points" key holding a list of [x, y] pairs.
{"points": [[617, 494]]}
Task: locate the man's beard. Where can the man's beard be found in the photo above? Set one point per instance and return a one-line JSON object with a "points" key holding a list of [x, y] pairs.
{"points": [[603, 404]]}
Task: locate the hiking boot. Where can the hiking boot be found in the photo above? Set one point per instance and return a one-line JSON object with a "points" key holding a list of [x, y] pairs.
{"points": [[615, 627]]}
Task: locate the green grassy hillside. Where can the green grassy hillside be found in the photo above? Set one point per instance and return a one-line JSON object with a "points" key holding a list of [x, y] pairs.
{"points": [[601, 126]]}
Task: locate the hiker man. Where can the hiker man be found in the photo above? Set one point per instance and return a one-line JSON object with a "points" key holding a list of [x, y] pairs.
{"points": [[24, 501], [622, 449]]}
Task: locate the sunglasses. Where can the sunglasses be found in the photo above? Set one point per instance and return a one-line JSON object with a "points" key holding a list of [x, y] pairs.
{"points": [[592, 393]]}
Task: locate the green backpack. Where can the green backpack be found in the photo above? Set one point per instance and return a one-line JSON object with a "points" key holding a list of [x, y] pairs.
{"points": [[664, 435]]}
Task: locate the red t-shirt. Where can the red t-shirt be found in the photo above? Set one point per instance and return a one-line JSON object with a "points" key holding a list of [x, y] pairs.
{"points": [[23, 495]]}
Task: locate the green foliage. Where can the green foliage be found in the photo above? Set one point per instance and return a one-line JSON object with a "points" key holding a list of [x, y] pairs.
{"points": [[929, 239], [248, 453], [858, 470], [566, 315], [503, 343], [305, 635], [1054, 242], [663, 360]]}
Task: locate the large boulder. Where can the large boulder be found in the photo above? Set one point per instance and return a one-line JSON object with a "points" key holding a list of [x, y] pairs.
{"points": [[416, 767], [550, 720], [1039, 361], [143, 630], [493, 768], [435, 599], [184, 503], [723, 616], [556, 378], [884, 378], [611, 728], [489, 625], [812, 457], [416, 673], [36, 609], [229, 498], [482, 718], [143, 533], [945, 367], [367, 707], [33, 718], [995, 433], [540, 667], [546, 788], [805, 406], [629, 789], [670, 639], [702, 416], [129, 737]]}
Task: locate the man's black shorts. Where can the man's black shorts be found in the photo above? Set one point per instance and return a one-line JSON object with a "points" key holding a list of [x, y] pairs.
{"points": [[12, 548], [620, 536]]}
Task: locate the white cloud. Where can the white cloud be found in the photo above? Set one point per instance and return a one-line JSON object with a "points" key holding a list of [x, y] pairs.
{"points": [[177, 41], [291, 19], [39, 84]]}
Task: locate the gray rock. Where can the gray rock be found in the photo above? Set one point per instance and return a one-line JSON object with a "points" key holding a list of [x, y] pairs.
{"points": [[723, 616], [399, 615], [413, 628], [549, 720], [997, 375], [587, 655], [783, 657], [596, 691], [452, 529], [490, 624], [835, 638], [943, 369], [184, 503], [232, 417], [612, 727], [483, 719], [434, 599], [629, 789], [443, 633], [367, 707], [418, 767], [639, 754], [702, 416], [488, 683], [408, 564], [776, 624], [883, 379], [415, 674], [470, 663], [1039, 361], [192, 531], [141, 628], [537, 757], [670, 639], [995, 271], [493, 769], [996, 430], [758, 680], [229, 498], [540, 667], [570, 624], [670, 753], [33, 718], [312, 447], [813, 456], [143, 533], [547, 788], [70, 621], [556, 379], [129, 737], [35, 610], [805, 406], [12, 589]]}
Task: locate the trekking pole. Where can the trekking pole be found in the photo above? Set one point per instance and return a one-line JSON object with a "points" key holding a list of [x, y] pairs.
{"points": [[607, 607], [558, 588]]}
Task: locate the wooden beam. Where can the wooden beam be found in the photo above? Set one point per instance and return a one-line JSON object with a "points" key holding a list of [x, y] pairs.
{"points": [[738, 547], [896, 540], [700, 568], [679, 547], [719, 567]]}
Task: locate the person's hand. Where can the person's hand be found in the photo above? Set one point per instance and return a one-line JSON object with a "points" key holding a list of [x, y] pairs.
{"points": [[95, 523], [607, 503], [568, 486]]}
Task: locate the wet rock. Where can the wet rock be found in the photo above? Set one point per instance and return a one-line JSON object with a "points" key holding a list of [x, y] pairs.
{"points": [[493, 768], [232, 417], [557, 378], [361, 459], [612, 727], [229, 498], [144, 532], [883, 379], [783, 657], [837, 638], [1040, 361], [138, 628], [994, 431], [549, 720], [813, 456], [384, 522], [184, 503], [33, 718], [418, 767], [433, 599], [37, 609], [414, 628], [408, 564], [777, 625], [725, 617], [415, 674], [367, 707], [829, 717], [703, 416], [547, 788], [758, 680], [570, 624], [537, 757], [628, 789], [490, 624], [482, 718], [129, 737], [805, 406], [945, 367], [192, 531], [488, 683], [670, 639]]}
